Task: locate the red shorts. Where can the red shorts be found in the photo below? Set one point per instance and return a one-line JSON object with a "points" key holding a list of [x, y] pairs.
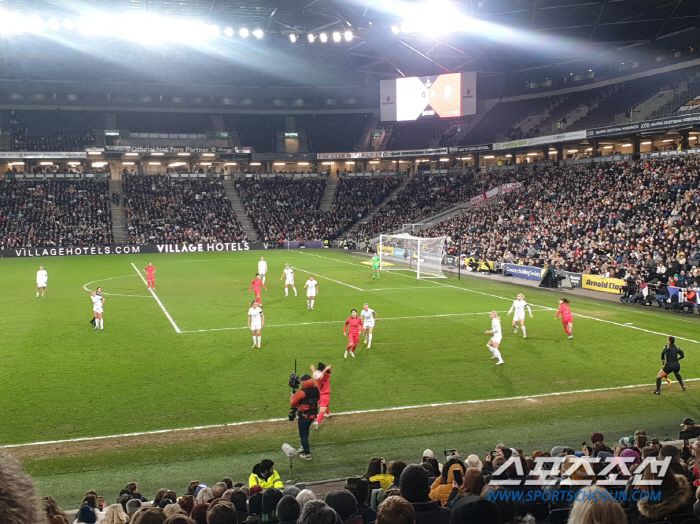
{"points": [[567, 320], [353, 338], [325, 400]]}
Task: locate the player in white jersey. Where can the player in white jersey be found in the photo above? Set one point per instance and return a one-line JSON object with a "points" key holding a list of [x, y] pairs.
{"points": [[288, 274], [256, 321], [311, 288], [519, 316], [262, 269], [42, 279], [496, 337], [97, 309], [368, 317]]}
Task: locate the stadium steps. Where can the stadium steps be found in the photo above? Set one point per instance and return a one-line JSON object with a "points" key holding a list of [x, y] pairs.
{"points": [[239, 209], [328, 194], [389, 198], [118, 214], [217, 122], [364, 141], [111, 121]]}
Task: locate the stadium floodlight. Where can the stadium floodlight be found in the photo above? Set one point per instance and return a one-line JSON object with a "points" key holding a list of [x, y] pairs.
{"points": [[292, 38], [311, 38], [336, 36], [348, 36], [422, 256], [323, 37], [229, 32], [395, 29], [244, 32], [258, 33]]}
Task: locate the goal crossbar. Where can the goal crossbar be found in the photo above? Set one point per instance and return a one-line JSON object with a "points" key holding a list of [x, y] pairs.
{"points": [[405, 252]]}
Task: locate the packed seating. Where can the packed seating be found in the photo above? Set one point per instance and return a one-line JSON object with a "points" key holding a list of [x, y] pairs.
{"points": [[287, 208], [54, 213], [637, 220], [162, 209], [52, 130], [609, 478]]}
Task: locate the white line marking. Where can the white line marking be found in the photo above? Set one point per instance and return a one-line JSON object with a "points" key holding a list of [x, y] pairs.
{"points": [[543, 307], [354, 412], [326, 278], [341, 321], [85, 287], [177, 329]]}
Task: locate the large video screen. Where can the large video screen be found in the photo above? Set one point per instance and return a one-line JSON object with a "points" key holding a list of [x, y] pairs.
{"points": [[417, 98]]}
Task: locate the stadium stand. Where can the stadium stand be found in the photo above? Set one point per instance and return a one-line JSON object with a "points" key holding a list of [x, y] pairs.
{"points": [[56, 130], [162, 209], [287, 208], [332, 132], [258, 131], [635, 221], [54, 213], [160, 122]]}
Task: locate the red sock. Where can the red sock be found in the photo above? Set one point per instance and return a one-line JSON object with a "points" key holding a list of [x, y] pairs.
{"points": [[348, 348], [567, 330], [320, 417]]}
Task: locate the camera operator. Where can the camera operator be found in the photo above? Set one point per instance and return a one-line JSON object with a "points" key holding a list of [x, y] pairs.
{"points": [[306, 402]]}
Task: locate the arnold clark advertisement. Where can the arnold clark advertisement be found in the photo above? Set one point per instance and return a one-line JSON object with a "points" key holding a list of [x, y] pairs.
{"points": [[526, 272]]}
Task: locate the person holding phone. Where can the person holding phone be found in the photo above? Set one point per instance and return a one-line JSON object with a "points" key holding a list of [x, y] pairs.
{"points": [[442, 487]]}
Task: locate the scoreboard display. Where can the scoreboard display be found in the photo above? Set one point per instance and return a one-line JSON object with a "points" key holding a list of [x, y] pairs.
{"points": [[416, 98]]}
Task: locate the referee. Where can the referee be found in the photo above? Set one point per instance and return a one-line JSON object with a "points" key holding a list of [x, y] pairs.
{"points": [[670, 358]]}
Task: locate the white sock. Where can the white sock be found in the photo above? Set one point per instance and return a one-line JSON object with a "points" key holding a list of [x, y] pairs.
{"points": [[286, 292], [370, 340], [516, 327], [312, 303], [37, 293], [490, 349], [497, 354], [263, 279], [255, 340], [524, 332], [102, 323], [259, 340], [295, 290], [308, 303]]}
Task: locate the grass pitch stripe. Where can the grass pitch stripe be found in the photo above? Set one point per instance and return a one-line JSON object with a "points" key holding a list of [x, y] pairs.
{"points": [[167, 315], [507, 298], [335, 414]]}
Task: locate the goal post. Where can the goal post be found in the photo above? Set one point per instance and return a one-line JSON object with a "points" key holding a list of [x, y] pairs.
{"points": [[416, 254]]}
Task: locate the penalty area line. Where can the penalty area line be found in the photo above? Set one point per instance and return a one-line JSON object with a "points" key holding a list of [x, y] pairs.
{"points": [[530, 398], [326, 278], [167, 315]]}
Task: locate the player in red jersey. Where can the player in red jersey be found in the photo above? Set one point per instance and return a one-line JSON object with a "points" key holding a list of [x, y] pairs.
{"points": [[150, 270], [255, 286], [567, 318], [351, 329], [322, 376]]}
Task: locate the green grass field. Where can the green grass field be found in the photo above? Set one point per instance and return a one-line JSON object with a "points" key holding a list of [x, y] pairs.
{"points": [[62, 380]]}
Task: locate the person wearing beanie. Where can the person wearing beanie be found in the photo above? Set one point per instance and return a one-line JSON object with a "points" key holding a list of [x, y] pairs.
{"points": [[265, 476], [318, 512], [270, 498], [254, 508], [86, 514], [414, 487], [345, 505], [291, 490], [359, 487], [288, 510]]}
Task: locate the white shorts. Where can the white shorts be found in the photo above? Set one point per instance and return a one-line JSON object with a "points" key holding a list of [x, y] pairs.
{"points": [[289, 282], [368, 325], [496, 339], [41, 284], [518, 318], [310, 296], [254, 326], [97, 310]]}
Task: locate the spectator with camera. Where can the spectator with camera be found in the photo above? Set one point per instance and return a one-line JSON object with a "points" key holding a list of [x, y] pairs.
{"points": [[304, 405]]}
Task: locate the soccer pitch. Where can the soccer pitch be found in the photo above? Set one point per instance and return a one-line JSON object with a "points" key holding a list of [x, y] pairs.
{"points": [[182, 359]]}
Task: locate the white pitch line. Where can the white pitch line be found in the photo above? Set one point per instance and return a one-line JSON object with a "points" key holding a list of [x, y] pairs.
{"points": [[85, 287], [341, 321], [326, 278], [177, 329], [543, 307], [353, 412]]}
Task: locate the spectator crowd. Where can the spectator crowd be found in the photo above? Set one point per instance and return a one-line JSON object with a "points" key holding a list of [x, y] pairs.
{"points": [[54, 213], [597, 483], [162, 209]]}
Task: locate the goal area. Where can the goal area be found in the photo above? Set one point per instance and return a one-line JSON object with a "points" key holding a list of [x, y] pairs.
{"points": [[404, 252]]}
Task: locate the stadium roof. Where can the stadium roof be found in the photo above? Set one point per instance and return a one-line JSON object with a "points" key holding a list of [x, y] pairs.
{"points": [[492, 36]]}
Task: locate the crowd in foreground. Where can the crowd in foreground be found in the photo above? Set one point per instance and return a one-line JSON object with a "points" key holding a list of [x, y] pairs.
{"points": [[600, 483], [630, 220], [284, 208], [162, 209], [54, 213]]}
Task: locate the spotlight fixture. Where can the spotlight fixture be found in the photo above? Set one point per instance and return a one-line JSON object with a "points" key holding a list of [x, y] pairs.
{"points": [[323, 37], [336, 36], [292, 38], [258, 33], [348, 36], [229, 32], [244, 32], [311, 38]]}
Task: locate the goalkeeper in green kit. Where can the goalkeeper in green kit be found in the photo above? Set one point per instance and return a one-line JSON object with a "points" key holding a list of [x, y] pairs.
{"points": [[376, 263]]}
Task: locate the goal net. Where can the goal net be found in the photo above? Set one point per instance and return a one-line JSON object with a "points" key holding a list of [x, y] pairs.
{"points": [[408, 253]]}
